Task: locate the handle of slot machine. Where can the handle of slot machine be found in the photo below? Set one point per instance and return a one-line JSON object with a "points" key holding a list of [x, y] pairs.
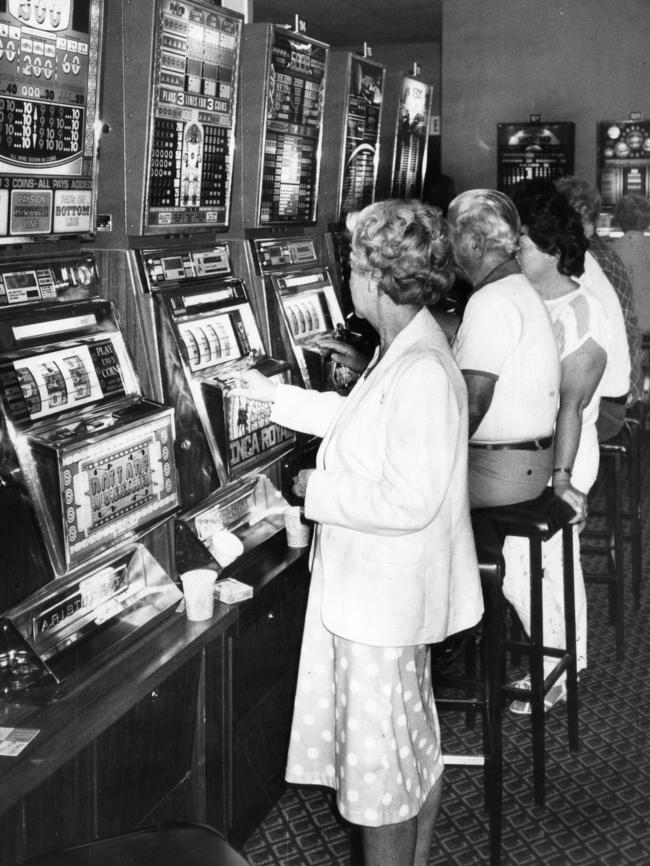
{"points": [[252, 385]]}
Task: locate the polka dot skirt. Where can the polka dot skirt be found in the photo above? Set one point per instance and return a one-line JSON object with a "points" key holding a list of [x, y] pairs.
{"points": [[364, 723]]}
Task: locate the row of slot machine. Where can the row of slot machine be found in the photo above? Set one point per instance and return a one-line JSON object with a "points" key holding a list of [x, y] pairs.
{"points": [[537, 150], [172, 188]]}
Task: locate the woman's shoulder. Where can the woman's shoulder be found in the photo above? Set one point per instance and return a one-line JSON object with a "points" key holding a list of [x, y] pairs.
{"points": [[584, 311]]}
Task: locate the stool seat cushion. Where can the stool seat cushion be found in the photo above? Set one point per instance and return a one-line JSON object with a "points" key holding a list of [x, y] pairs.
{"points": [[541, 516], [169, 845]]}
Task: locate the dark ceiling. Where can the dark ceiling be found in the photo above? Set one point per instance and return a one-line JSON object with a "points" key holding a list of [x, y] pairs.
{"points": [[350, 23]]}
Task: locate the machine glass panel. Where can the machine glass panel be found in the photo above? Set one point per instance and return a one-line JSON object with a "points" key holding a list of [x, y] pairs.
{"points": [[623, 160], [532, 151], [411, 139], [48, 114], [293, 129], [193, 102], [364, 101]]}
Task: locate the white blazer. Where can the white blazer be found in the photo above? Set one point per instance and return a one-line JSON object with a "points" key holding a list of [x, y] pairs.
{"points": [[390, 494]]}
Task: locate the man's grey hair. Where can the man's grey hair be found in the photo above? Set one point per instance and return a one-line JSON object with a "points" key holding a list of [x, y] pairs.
{"points": [[491, 214]]}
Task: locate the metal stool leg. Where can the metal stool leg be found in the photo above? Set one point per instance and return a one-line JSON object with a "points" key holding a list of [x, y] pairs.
{"points": [[570, 639], [634, 506], [537, 670]]}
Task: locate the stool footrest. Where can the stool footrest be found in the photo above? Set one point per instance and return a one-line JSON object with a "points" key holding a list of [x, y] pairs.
{"points": [[464, 760], [530, 649]]}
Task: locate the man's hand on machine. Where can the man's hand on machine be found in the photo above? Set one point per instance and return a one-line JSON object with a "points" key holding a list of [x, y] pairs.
{"points": [[344, 353], [252, 385]]}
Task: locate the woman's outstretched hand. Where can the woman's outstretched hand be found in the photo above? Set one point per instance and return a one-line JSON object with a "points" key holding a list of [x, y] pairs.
{"points": [[253, 385], [344, 353]]}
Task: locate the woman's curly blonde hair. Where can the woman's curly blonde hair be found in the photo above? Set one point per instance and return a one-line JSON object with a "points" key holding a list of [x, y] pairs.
{"points": [[405, 245]]}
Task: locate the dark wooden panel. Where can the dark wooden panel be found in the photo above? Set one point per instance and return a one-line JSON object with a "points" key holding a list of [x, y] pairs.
{"points": [[259, 758], [62, 810], [265, 655], [147, 752], [216, 749], [11, 836], [270, 633]]}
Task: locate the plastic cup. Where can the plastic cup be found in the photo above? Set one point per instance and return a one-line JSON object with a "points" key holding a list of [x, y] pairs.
{"points": [[198, 590], [297, 532]]}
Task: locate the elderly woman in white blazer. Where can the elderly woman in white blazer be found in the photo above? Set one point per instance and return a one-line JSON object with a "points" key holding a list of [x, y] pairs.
{"points": [[393, 560]]}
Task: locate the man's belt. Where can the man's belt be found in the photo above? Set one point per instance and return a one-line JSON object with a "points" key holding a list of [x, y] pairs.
{"points": [[621, 401], [531, 445]]}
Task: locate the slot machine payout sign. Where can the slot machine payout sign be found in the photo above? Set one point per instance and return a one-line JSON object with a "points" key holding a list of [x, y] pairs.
{"points": [[48, 95]]}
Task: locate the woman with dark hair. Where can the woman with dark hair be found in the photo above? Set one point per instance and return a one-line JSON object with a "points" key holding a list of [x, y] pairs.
{"points": [[393, 561], [551, 255]]}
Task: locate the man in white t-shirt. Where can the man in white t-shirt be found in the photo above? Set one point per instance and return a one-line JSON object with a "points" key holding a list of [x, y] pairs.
{"points": [[507, 352]]}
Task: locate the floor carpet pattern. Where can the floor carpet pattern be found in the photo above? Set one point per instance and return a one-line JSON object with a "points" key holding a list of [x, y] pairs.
{"points": [[597, 809]]}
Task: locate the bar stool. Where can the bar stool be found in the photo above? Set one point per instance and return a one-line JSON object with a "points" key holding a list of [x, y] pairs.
{"points": [[538, 520], [183, 844], [621, 524], [482, 692]]}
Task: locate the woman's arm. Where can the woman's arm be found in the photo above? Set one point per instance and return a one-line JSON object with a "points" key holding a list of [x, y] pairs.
{"points": [[308, 411], [420, 435], [582, 370]]}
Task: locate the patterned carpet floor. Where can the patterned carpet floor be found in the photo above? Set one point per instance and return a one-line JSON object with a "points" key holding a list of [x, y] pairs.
{"points": [[597, 809]]}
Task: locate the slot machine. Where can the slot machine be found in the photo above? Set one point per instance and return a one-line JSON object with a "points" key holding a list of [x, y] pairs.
{"points": [[306, 308], [179, 275], [283, 85], [87, 475], [533, 151], [354, 104], [403, 146], [283, 94], [623, 160], [411, 138]]}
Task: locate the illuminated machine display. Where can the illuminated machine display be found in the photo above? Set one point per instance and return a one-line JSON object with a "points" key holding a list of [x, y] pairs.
{"points": [[283, 92], [411, 138], [48, 102], [87, 474], [354, 104], [533, 151], [189, 142], [623, 160], [179, 286]]}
